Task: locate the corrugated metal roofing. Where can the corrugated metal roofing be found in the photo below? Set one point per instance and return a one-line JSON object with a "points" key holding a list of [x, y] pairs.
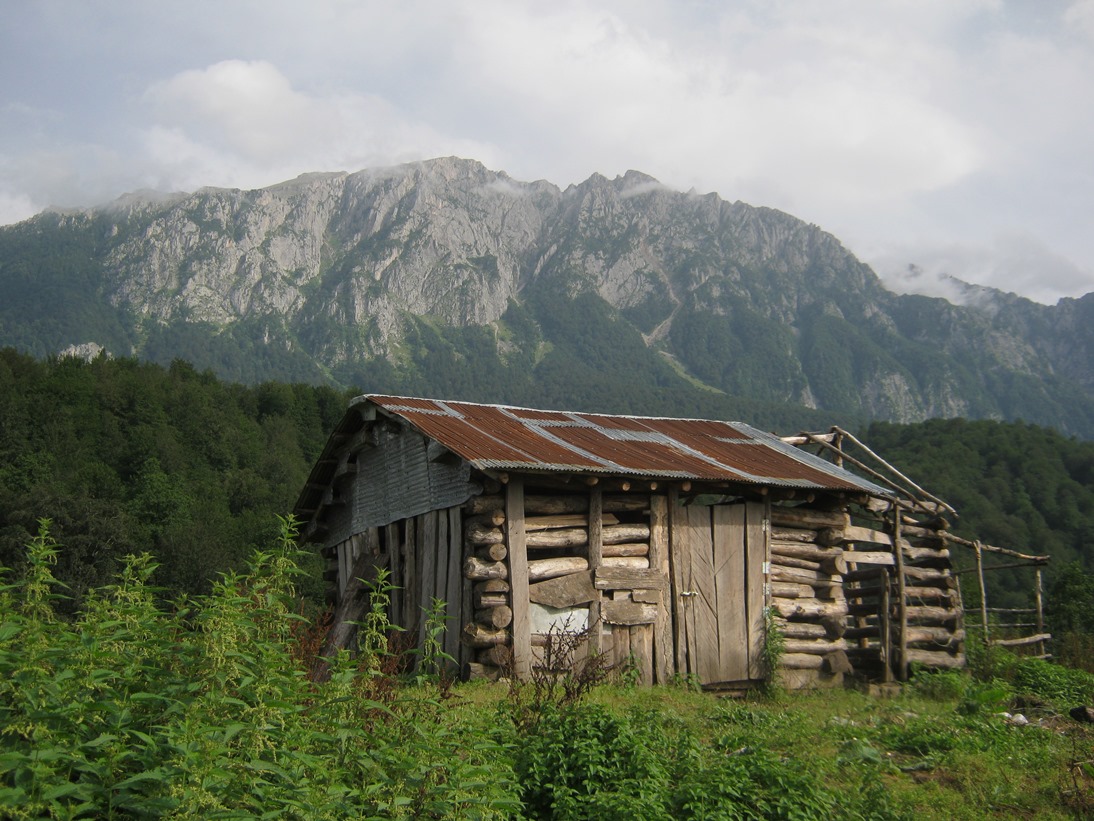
{"points": [[497, 437]]}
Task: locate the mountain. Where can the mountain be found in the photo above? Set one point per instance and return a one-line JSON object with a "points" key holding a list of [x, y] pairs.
{"points": [[444, 277]]}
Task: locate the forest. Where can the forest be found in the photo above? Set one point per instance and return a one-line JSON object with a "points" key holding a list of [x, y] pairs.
{"points": [[127, 457]]}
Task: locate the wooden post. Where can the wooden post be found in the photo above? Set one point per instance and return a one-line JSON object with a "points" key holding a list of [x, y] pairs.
{"points": [[456, 585], [983, 591], [902, 604], [392, 547], [427, 550], [1040, 614], [518, 578], [596, 556], [412, 567], [885, 636], [680, 563], [659, 561]]}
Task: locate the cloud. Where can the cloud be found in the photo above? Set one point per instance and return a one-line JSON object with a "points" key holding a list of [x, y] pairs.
{"points": [[16, 207], [883, 122], [242, 123], [1016, 262], [829, 113]]}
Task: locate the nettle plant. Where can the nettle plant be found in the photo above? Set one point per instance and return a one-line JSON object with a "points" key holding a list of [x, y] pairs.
{"points": [[205, 708]]}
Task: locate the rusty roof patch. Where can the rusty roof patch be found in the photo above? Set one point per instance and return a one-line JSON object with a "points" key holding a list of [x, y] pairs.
{"points": [[498, 437]]}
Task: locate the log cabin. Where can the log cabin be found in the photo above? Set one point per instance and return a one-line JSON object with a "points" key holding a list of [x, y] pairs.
{"points": [[675, 545]]}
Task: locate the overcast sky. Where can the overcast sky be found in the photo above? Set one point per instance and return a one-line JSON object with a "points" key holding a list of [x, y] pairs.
{"points": [[955, 135]]}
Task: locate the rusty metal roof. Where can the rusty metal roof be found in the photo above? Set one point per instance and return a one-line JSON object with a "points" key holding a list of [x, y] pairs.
{"points": [[502, 438]]}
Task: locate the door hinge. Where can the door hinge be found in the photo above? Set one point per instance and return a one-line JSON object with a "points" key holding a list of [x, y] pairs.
{"points": [[765, 525], [766, 568]]}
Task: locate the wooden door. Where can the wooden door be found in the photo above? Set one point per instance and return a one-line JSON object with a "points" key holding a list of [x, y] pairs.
{"points": [[719, 553]]}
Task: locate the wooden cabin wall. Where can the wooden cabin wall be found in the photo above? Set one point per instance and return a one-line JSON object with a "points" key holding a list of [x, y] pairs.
{"points": [[807, 593], [846, 601], [540, 559], [423, 556], [905, 605], [602, 561]]}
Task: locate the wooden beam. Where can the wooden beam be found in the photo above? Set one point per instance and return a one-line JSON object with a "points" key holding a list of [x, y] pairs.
{"points": [[659, 564], [518, 578]]}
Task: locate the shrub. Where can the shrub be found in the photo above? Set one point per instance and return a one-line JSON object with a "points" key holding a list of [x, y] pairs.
{"points": [[1043, 679], [583, 762]]}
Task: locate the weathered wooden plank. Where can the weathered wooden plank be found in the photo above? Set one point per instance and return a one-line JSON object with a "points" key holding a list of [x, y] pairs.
{"points": [[579, 536], [518, 578], [792, 590], [803, 629], [642, 651], [626, 562], [565, 591], [611, 551], [935, 658], [731, 612], [625, 611], [809, 518], [427, 549], [394, 549], [440, 578], [793, 534], [540, 569], [413, 574], [477, 635], [853, 533], [479, 570], [816, 647], [809, 608], [595, 524], [536, 523], [758, 552], [680, 564], [801, 661], [705, 594], [869, 557], [483, 533], [343, 568], [458, 588], [659, 564], [1020, 642], [609, 577]]}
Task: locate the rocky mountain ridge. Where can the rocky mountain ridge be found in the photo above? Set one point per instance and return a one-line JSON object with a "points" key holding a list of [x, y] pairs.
{"points": [[376, 276]]}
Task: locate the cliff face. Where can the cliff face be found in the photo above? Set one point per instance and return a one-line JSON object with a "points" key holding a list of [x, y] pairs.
{"points": [[339, 269]]}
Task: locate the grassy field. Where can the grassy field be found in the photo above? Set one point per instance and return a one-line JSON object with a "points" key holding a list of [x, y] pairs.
{"points": [[944, 747], [208, 708]]}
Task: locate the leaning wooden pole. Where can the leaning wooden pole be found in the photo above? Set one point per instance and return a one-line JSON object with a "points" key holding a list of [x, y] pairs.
{"points": [[902, 598], [1040, 614], [845, 435], [983, 591]]}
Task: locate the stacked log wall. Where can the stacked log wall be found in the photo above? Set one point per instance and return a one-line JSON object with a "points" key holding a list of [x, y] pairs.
{"points": [[806, 580], [585, 552], [926, 626]]}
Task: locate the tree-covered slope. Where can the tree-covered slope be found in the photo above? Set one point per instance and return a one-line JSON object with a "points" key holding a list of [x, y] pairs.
{"points": [[127, 457], [1014, 485]]}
